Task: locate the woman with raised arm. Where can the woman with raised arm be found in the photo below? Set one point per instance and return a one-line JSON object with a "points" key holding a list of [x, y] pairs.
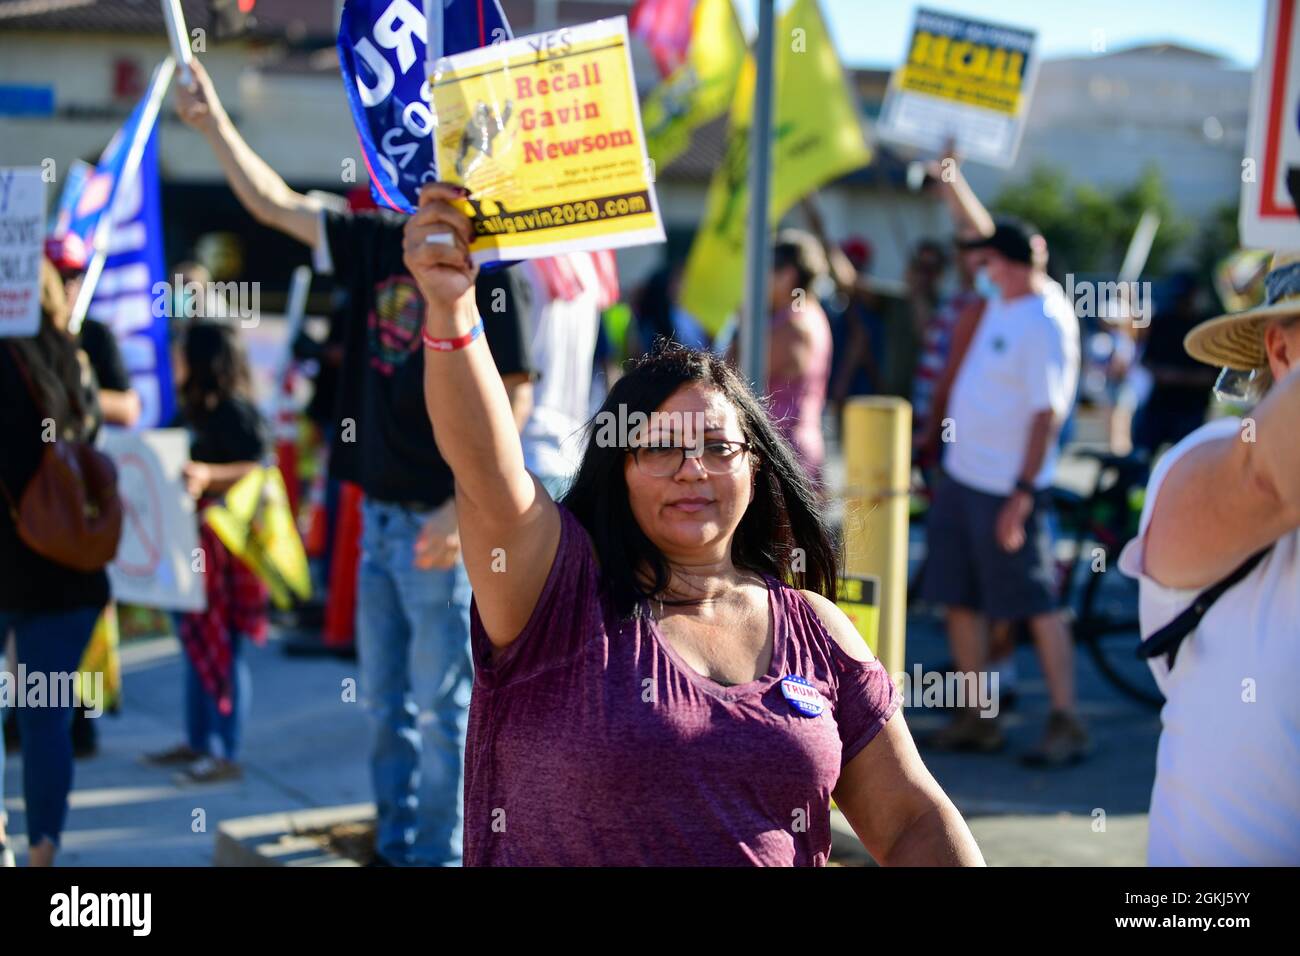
{"points": [[649, 689]]}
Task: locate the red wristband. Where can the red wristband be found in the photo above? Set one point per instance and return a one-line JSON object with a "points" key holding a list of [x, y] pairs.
{"points": [[451, 345]]}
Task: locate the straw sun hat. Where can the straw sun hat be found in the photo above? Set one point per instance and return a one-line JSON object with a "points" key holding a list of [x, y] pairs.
{"points": [[1236, 341]]}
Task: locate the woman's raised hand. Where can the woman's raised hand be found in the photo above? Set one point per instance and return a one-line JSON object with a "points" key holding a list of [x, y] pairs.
{"points": [[436, 245]]}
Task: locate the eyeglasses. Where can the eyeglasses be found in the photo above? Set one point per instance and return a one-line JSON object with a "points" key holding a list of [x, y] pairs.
{"points": [[664, 461]]}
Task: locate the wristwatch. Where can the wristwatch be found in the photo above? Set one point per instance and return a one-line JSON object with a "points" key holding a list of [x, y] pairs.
{"points": [[1026, 486]]}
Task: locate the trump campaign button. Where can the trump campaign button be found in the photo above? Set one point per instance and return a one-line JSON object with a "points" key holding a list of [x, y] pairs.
{"points": [[802, 696]]}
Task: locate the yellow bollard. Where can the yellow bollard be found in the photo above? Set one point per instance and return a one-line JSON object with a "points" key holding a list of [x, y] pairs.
{"points": [[877, 444]]}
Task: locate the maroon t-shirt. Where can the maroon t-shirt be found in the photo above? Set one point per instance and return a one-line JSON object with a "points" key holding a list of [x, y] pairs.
{"points": [[591, 743]]}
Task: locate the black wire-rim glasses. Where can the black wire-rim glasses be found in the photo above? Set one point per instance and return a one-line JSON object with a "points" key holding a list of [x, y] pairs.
{"points": [[717, 457]]}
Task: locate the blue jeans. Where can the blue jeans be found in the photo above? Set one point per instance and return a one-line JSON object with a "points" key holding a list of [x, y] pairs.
{"points": [[416, 675], [50, 644], [202, 718]]}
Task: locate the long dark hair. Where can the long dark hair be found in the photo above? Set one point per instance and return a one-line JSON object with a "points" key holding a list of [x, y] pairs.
{"points": [[781, 533], [50, 360], [216, 368]]}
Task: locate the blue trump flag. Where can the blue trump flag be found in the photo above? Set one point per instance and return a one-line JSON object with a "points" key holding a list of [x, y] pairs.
{"points": [[130, 297], [382, 53]]}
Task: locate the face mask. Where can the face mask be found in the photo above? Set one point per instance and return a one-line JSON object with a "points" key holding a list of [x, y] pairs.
{"points": [[985, 286]]}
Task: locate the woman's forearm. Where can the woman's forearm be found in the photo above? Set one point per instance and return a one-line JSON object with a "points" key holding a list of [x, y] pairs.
{"points": [[473, 422], [938, 837], [222, 478], [260, 189]]}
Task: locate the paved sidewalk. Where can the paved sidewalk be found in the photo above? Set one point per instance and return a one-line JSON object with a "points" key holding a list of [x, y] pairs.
{"points": [[305, 747]]}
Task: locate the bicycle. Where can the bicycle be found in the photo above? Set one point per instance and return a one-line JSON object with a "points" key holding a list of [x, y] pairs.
{"points": [[1104, 610]]}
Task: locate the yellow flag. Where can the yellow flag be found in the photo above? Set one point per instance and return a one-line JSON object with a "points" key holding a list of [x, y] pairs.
{"points": [[102, 657], [254, 522], [699, 90], [816, 137]]}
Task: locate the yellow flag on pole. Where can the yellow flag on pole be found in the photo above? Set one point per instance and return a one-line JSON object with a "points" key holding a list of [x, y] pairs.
{"points": [[816, 137], [699, 90]]}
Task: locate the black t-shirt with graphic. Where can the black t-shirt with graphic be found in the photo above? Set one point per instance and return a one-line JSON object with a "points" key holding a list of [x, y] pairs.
{"points": [[387, 446]]}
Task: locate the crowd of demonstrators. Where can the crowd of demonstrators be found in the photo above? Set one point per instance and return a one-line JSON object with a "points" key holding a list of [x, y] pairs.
{"points": [[641, 566], [989, 555], [228, 440], [50, 609], [412, 591], [1218, 560], [639, 636]]}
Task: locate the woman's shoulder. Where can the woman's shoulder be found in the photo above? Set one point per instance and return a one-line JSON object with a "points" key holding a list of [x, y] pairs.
{"points": [[826, 622], [576, 547]]}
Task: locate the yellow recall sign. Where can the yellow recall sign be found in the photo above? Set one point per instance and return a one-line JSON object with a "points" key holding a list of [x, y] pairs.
{"points": [[546, 133], [950, 68], [816, 137]]}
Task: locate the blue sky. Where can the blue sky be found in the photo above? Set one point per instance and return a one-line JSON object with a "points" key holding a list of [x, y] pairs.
{"points": [[875, 32]]}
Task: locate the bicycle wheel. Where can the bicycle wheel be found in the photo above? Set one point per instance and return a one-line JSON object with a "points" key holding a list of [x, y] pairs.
{"points": [[1106, 623]]}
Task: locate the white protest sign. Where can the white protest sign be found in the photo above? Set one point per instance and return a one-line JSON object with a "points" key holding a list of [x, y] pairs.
{"points": [[154, 566], [966, 83], [22, 244], [1268, 214]]}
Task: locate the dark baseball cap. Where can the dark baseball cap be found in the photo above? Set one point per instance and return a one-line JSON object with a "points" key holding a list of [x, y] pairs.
{"points": [[1011, 239]]}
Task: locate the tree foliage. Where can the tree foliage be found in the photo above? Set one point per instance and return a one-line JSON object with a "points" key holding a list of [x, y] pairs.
{"points": [[1088, 230]]}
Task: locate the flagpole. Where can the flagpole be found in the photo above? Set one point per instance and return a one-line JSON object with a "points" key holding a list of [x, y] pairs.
{"points": [[179, 37], [755, 320], [433, 48], [162, 77]]}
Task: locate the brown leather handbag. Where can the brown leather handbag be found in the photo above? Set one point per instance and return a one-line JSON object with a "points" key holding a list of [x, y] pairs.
{"points": [[70, 511]]}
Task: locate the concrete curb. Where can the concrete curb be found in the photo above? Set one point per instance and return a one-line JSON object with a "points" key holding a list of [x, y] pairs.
{"points": [[283, 839]]}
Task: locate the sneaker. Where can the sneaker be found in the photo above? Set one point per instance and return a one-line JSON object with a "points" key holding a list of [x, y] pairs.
{"points": [[210, 770], [180, 756], [1064, 741], [968, 731]]}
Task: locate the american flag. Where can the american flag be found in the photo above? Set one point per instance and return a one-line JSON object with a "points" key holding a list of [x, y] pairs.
{"points": [[563, 280]]}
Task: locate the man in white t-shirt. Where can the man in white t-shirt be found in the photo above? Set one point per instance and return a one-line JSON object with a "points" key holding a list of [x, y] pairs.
{"points": [[1227, 788], [990, 549]]}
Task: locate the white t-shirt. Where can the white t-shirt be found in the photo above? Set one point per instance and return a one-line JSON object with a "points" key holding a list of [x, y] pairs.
{"points": [[563, 347], [1023, 359], [1227, 790]]}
